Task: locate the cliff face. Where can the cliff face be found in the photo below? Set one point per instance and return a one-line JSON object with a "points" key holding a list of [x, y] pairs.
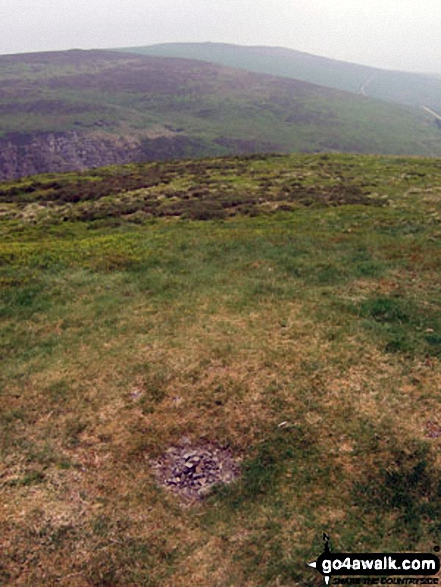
{"points": [[29, 154]]}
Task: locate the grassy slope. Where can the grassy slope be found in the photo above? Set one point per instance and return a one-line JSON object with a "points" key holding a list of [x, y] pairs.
{"points": [[189, 108], [311, 299], [397, 86]]}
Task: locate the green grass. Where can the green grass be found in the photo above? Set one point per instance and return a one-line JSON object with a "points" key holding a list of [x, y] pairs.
{"points": [[122, 335], [123, 107]]}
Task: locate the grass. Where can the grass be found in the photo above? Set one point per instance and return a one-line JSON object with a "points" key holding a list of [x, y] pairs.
{"points": [[120, 107], [121, 336]]}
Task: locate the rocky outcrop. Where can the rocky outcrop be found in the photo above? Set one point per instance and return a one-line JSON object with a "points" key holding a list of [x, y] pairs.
{"points": [[29, 154], [54, 152]]}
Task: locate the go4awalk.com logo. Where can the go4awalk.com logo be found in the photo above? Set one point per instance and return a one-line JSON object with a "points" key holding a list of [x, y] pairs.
{"points": [[395, 569]]}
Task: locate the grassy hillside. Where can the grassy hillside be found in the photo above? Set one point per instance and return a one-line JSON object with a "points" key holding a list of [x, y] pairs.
{"points": [[283, 308], [397, 86], [172, 108]]}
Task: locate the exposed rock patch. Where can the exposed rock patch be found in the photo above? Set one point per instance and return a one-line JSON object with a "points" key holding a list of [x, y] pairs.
{"points": [[29, 154], [192, 471], [23, 154]]}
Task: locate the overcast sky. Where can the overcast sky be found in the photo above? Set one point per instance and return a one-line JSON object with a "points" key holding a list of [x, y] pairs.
{"points": [[398, 34]]}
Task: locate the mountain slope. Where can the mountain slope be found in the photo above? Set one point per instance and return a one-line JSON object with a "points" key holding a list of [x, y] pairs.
{"points": [[397, 86], [79, 109]]}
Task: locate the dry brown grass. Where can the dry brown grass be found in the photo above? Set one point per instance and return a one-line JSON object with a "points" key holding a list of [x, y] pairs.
{"points": [[266, 335], [213, 377]]}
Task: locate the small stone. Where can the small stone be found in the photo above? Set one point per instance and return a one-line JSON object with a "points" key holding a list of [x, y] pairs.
{"points": [[189, 454]]}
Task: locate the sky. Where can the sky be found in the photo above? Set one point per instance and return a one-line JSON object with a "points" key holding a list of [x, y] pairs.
{"points": [[393, 34]]}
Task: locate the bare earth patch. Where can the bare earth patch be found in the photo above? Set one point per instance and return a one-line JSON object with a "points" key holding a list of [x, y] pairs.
{"points": [[191, 471]]}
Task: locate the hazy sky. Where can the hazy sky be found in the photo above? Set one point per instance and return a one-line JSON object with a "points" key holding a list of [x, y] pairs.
{"points": [[400, 34]]}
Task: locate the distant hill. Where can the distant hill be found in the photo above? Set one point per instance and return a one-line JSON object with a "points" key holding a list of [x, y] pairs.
{"points": [[402, 87], [77, 109]]}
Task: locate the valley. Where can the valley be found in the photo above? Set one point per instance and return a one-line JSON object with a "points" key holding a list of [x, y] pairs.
{"points": [[73, 110]]}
